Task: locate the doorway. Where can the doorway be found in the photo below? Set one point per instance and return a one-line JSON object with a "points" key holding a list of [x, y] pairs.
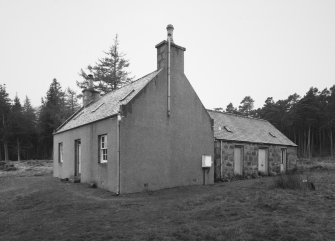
{"points": [[238, 160], [283, 164], [262, 161], [77, 158]]}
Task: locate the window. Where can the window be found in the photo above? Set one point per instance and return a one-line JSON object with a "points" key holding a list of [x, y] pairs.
{"points": [[60, 152], [103, 149]]}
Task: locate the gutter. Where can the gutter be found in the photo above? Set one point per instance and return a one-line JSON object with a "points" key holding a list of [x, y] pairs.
{"points": [[110, 116]]}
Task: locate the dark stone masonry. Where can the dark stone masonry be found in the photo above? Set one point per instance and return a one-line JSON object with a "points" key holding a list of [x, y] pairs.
{"points": [[224, 158]]}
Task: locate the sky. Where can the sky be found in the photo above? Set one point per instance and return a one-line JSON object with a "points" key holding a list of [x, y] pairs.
{"points": [[233, 48]]}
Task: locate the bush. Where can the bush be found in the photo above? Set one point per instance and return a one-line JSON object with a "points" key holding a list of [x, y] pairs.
{"points": [[294, 181], [5, 166], [290, 181]]}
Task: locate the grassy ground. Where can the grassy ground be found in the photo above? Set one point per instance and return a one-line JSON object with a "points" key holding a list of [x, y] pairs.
{"points": [[35, 206]]}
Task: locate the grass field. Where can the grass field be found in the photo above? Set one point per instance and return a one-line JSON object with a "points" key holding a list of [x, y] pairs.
{"points": [[36, 206]]}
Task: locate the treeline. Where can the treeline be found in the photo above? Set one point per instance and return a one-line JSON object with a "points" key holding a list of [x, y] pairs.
{"points": [[309, 121], [26, 132]]}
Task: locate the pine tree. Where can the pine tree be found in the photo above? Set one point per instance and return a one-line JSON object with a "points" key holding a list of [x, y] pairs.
{"points": [[71, 102], [52, 114], [331, 119], [17, 125], [110, 72], [30, 132], [231, 109], [4, 127], [247, 104]]}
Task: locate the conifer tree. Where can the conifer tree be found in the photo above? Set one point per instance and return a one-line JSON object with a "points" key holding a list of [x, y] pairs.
{"points": [[5, 106], [231, 109], [247, 104], [17, 125], [30, 132], [110, 72], [51, 115]]}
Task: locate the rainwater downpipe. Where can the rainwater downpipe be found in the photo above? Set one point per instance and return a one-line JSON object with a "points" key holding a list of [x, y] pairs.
{"points": [[118, 120], [169, 78], [221, 171]]}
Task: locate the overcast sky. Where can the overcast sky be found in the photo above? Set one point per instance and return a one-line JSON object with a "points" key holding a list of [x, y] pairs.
{"points": [[233, 48]]}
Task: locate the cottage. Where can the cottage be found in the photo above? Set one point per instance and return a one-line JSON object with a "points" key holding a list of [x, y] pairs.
{"points": [[150, 134], [249, 146]]}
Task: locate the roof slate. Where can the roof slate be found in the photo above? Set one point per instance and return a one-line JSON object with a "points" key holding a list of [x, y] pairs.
{"points": [[246, 129], [108, 105]]}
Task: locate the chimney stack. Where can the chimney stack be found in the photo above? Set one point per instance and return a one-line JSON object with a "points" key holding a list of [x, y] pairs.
{"points": [[176, 53], [90, 94]]}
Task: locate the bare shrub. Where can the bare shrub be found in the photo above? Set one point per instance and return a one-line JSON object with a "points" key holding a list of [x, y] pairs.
{"points": [[289, 181], [293, 181]]}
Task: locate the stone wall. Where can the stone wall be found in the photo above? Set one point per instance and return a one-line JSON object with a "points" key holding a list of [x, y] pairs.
{"points": [[250, 158]]}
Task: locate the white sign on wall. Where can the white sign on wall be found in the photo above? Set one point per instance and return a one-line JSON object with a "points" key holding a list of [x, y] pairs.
{"points": [[206, 161]]}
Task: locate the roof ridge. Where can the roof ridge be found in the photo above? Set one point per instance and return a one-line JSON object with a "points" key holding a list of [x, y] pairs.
{"points": [[237, 115]]}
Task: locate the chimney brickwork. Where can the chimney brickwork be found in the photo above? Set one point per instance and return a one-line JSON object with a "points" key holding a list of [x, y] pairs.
{"points": [[90, 94], [177, 53]]}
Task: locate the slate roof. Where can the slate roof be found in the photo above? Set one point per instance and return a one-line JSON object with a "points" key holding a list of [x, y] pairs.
{"points": [[233, 127], [108, 105]]}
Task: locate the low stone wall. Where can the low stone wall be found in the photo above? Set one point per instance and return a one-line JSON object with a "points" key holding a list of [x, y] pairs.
{"points": [[250, 158]]}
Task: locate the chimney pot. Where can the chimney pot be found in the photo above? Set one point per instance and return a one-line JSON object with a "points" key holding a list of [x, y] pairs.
{"points": [[170, 29], [90, 81]]}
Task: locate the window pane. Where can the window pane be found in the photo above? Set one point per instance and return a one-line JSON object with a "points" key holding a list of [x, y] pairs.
{"points": [[60, 152], [104, 154], [102, 141], [103, 148]]}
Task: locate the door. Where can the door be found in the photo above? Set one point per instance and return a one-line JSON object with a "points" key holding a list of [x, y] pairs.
{"points": [[262, 161], [238, 167], [77, 158], [283, 164]]}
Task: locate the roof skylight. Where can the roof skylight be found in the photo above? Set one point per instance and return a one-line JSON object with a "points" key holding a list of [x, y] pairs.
{"points": [[97, 107], [127, 95], [228, 129], [76, 117]]}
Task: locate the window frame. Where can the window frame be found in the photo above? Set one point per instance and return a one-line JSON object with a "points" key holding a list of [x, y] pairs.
{"points": [[60, 153], [103, 149]]}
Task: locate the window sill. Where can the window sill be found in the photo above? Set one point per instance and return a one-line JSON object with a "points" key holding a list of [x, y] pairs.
{"points": [[103, 163]]}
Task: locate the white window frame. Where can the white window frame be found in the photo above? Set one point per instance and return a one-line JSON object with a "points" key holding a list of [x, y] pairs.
{"points": [[103, 147], [60, 152]]}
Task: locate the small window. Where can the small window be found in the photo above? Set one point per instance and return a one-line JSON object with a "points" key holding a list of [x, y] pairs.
{"points": [[60, 152], [103, 149], [228, 129], [271, 134]]}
